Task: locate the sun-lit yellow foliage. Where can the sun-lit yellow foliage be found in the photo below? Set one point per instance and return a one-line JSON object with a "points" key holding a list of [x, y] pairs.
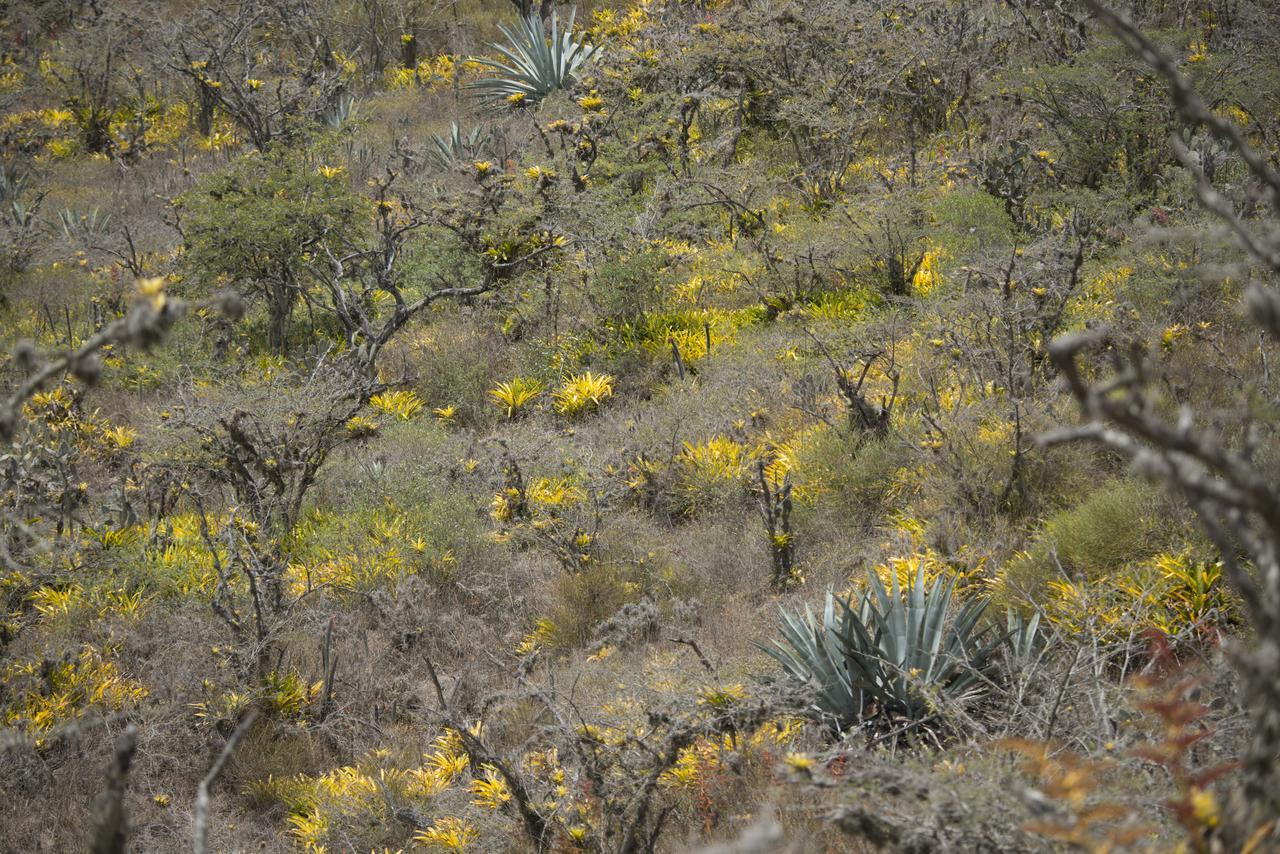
{"points": [[950, 393], [309, 829], [180, 560], [448, 762], [643, 472], [379, 548], [107, 538], [619, 24], [425, 783], [786, 461], [718, 458], [315, 802], [1100, 295], [799, 762], [366, 791], [690, 330], [288, 695], [906, 567], [696, 290], [1179, 594], [1196, 586], [41, 695], [699, 472], [59, 411], [448, 833], [402, 404], [722, 696], [693, 275], [119, 437], [543, 632], [707, 465], [227, 705], [513, 396], [583, 393], [1172, 335], [555, 492], [489, 789], [707, 755], [541, 507], [433, 73], [53, 603], [505, 504], [929, 275], [996, 433], [540, 174], [361, 427], [11, 77], [840, 306]]}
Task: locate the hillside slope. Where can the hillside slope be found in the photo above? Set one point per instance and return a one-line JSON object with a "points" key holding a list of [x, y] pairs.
{"points": [[816, 425]]}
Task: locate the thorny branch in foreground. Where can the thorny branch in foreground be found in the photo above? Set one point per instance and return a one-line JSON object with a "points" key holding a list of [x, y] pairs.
{"points": [[1238, 506], [1237, 503], [149, 318], [200, 833], [110, 821], [622, 774]]}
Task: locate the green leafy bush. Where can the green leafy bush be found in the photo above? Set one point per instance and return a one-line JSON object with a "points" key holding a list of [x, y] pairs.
{"points": [[252, 225], [1117, 525]]}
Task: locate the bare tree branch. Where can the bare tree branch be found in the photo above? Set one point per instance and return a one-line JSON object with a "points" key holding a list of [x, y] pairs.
{"points": [[200, 825]]}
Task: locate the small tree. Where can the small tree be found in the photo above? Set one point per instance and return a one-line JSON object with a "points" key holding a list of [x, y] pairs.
{"points": [[774, 502], [229, 54], [253, 225], [257, 456]]}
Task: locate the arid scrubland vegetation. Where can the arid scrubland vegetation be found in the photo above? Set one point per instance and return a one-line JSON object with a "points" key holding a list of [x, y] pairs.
{"points": [[727, 426]]}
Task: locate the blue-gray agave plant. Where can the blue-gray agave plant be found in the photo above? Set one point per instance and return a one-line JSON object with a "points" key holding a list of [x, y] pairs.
{"points": [[896, 650], [1024, 636], [533, 65], [446, 152]]}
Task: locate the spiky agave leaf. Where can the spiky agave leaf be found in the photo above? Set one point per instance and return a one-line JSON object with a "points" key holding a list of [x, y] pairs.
{"points": [[896, 648], [342, 111], [448, 151], [811, 655], [533, 65], [1023, 633]]}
